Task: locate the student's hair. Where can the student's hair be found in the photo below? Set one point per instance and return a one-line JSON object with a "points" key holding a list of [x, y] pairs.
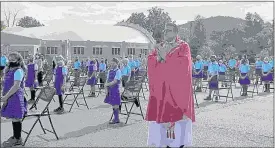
{"points": [[115, 60], [125, 60], [19, 59]]}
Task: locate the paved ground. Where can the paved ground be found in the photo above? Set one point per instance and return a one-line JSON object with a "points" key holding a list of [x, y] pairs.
{"points": [[244, 122]]}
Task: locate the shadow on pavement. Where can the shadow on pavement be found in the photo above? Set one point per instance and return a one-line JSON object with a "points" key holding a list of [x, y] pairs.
{"points": [[92, 129]]}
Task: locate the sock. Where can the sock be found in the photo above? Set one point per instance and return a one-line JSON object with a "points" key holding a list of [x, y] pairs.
{"points": [[60, 100], [18, 129], [14, 129], [32, 94], [116, 115]]}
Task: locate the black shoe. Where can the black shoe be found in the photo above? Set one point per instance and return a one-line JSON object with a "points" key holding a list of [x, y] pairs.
{"points": [[114, 122], [137, 103], [216, 99], [208, 98]]}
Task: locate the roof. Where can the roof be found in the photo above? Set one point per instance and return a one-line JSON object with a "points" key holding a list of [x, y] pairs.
{"points": [[92, 32]]}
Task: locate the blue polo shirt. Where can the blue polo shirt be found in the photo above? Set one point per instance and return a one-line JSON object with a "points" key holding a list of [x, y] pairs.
{"points": [[132, 64], [222, 68], [266, 67], [272, 63], [137, 63], [244, 68], [213, 68], [18, 75], [232, 63], [258, 64], [199, 65], [77, 65], [4, 61], [102, 67], [126, 71], [206, 63]]}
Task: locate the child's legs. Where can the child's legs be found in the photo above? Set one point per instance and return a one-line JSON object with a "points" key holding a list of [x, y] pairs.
{"points": [[17, 128], [92, 89]]}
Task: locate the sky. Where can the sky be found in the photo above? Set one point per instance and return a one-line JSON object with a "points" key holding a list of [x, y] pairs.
{"points": [[112, 12]]}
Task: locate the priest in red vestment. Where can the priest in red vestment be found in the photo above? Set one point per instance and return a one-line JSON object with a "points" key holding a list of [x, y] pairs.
{"points": [[170, 110]]}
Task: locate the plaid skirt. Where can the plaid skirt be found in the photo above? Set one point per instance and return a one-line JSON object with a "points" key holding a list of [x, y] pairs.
{"points": [[213, 84], [199, 75], [268, 77], [244, 81]]}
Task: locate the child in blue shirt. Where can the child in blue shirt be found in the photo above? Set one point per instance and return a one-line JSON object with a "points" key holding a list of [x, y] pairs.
{"points": [[125, 72], [244, 80], [198, 73], [14, 104], [77, 71], [232, 63], [205, 67], [222, 71], [213, 71], [112, 86], [267, 76], [102, 73]]}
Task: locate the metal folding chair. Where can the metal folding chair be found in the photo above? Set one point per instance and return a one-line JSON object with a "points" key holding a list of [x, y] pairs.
{"points": [[76, 93], [46, 94], [130, 95], [48, 78], [228, 81], [100, 90]]}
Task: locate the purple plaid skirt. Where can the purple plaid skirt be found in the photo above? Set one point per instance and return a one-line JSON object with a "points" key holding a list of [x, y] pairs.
{"points": [[269, 77], [244, 81], [213, 84], [199, 75], [91, 81]]}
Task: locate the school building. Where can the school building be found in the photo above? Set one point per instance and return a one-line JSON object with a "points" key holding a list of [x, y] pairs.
{"points": [[98, 41]]}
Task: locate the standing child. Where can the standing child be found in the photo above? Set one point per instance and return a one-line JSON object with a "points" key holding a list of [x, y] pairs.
{"points": [[267, 74], [125, 72], [102, 74], [198, 73], [132, 65], [77, 70], [244, 80], [232, 64], [112, 85], [31, 80], [92, 77], [59, 84], [213, 71], [15, 106], [222, 70]]}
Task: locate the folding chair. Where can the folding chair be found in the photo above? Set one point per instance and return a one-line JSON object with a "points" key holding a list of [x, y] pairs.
{"points": [[228, 80], [141, 76], [46, 94], [102, 75], [75, 94], [48, 78], [130, 95]]}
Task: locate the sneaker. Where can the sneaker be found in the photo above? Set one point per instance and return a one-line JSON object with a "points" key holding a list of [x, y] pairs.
{"points": [[11, 142], [57, 110], [60, 111], [208, 98], [31, 101], [114, 122]]}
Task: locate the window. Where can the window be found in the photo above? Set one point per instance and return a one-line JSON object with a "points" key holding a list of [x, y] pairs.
{"points": [[51, 50], [79, 50], [24, 54], [115, 51], [144, 51], [97, 50], [131, 51]]}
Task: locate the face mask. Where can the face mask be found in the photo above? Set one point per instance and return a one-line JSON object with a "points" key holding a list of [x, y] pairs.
{"points": [[212, 60], [14, 64]]}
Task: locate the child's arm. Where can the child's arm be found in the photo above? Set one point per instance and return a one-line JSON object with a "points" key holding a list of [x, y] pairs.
{"points": [[18, 77], [117, 78]]}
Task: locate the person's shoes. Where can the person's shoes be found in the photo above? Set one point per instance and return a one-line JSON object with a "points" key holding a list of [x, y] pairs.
{"points": [[31, 101], [216, 99], [12, 141], [60, 111], [208, 98], [137, 103], [114, 122]]}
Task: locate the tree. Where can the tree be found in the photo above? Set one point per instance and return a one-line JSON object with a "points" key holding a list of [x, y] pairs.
{"points": [[28, 22], [10, 17], [3, 26], [198, 37], [154, 22]]}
